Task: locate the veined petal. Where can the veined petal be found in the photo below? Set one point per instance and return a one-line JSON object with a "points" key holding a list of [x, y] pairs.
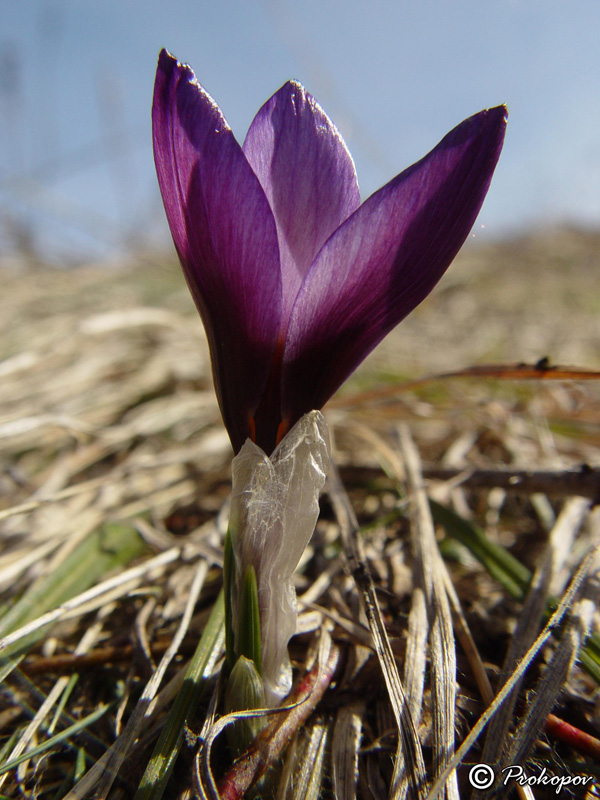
{"points": [[225, 235], [308, 175], [385, 259]]}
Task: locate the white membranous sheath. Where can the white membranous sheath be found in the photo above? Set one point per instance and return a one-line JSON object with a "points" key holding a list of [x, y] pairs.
{"points": [[274, 510]]}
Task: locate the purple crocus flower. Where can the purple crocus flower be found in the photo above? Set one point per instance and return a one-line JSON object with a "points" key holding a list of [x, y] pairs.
{"points": [[295, 280]]}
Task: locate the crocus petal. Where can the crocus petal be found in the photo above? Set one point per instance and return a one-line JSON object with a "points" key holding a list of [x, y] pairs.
{"points": [[385, 259], [225, 236], [308, 175]]}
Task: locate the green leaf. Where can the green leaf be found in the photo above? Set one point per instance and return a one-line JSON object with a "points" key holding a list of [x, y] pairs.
{"points": [[107, 548], [228, 571], [508, 571], [503, 566], [249, 644], [245, 692]]}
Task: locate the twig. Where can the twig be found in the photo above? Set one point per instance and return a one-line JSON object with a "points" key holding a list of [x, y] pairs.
{"points": [[583, 481], [542, 370]]}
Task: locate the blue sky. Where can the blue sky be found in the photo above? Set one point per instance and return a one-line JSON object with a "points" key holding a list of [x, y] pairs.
{"points": [[76, 76]]}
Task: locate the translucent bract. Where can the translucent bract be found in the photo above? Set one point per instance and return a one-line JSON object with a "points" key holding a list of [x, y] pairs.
{"points": [[274, 509]]}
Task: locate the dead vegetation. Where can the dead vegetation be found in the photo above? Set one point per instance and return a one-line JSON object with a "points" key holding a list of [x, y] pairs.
{"points": [[113, 510]]}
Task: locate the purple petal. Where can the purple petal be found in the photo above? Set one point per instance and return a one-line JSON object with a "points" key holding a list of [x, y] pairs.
{"points": [[225, 236], [308, 175], [385, 259]]}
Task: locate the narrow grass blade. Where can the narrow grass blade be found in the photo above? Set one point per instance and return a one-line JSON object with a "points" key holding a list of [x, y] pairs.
{"points": [[165, 753], [309, 778], [552, 625], [109, 547], [430, 575], [347, 734], [59, 738], [57, 693], [409, 755], [503, 566], [95, 597], [100, 778], [531, 619], [508, 571]]}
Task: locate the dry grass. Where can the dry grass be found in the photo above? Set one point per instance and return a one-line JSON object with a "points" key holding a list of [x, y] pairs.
{"points": [[116, 472]]}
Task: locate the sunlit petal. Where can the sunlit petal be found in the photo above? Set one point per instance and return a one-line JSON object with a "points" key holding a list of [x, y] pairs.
{"points": [[225, 236], [308, 175], [385, 259]]}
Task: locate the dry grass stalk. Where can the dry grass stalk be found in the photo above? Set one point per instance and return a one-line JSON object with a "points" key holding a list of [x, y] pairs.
{"points": [[552, 625], [101, 777], [409, 769], [430, 577], [528, 625]]}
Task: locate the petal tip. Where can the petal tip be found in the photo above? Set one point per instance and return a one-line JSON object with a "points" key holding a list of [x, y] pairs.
{"points": [[169, 65], [499, 111], [497, 115], [166, 61], [294, 84], [288, 91]]}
